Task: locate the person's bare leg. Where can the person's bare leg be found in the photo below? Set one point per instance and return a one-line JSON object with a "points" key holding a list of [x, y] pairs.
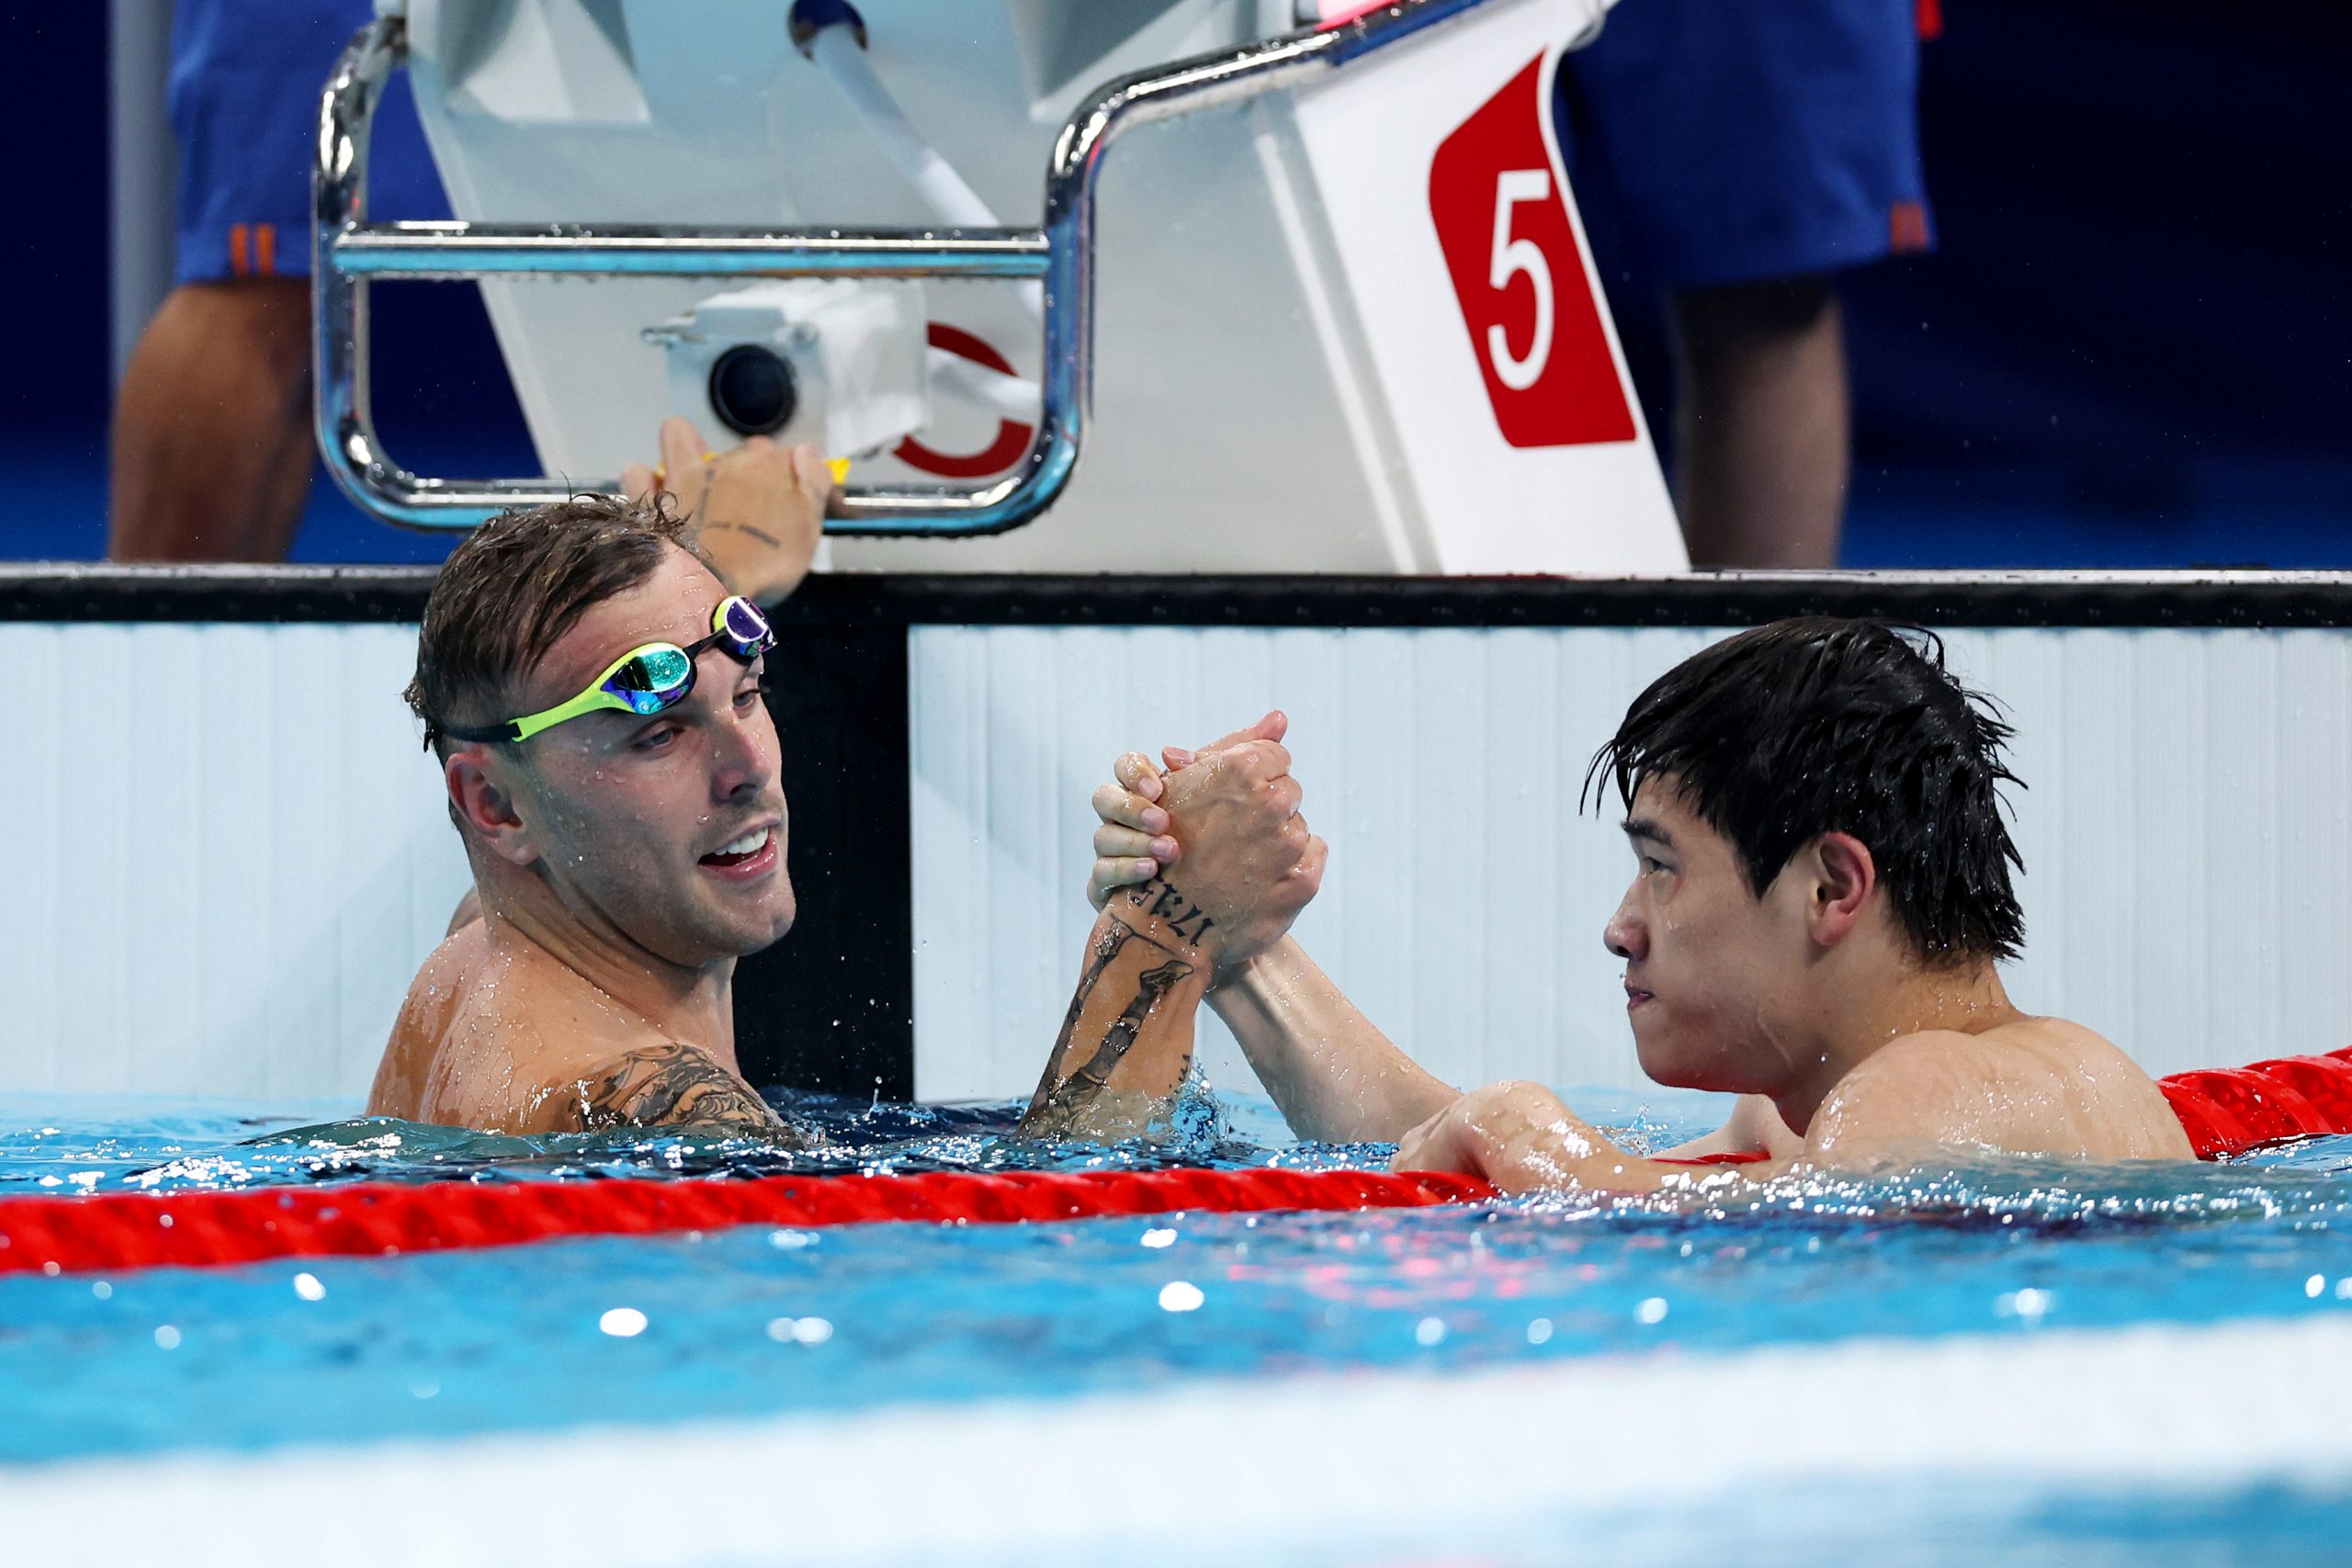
{"points": [[1762, 424], [212, 428]]}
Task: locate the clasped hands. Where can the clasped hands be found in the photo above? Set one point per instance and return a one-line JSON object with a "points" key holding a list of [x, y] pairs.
{"points": [[1220, 830], [1228, 814]]}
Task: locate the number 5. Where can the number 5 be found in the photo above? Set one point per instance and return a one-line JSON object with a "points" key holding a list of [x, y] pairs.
{"points": [[1510, 258]]}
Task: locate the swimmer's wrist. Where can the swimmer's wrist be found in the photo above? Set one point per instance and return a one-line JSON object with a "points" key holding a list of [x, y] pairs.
{"points": [[1235, 974], [751, 560], [1158, 911]]}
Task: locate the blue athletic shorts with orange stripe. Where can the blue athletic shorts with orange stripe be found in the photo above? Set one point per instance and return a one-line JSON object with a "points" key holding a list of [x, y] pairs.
{"points": [[1738, 140], [246, 75]]}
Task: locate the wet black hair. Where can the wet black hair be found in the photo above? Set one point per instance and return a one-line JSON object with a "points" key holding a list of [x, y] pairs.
{"points": [[1817, 724]]}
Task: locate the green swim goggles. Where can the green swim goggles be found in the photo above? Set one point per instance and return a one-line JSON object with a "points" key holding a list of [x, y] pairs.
{"points": [[645, 679]]}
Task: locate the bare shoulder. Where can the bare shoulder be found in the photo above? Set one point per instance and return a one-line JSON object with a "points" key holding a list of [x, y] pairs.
{"points": [[663, 1085], [2038, 1086], [425, 1022]]}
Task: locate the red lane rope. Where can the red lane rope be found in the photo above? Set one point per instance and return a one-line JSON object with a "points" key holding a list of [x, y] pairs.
{"points": [[137, 1230], [2225, 1111]]}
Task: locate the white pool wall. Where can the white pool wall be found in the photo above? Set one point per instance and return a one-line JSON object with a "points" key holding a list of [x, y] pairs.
{"points": [[226, 853]]}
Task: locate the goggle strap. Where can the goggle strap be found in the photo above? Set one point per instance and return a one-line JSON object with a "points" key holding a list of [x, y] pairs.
{"points": [[491, 736]]}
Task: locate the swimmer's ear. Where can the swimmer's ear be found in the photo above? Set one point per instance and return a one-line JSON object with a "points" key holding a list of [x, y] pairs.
{"points": [[1843, 875], [484, 809]]}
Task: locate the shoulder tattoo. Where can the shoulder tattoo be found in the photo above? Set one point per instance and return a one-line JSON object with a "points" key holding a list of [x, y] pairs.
{"points": [[672, 1085]]}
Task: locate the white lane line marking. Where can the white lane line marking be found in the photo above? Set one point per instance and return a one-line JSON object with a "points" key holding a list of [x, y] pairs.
{"points": [[1250, 1463]]}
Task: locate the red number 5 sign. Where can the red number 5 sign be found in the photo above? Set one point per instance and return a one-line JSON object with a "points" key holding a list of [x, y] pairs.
{"points": [[1521, 278]]}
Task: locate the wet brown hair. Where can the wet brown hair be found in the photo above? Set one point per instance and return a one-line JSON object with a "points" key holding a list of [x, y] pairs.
{"points": [[511, 591]]}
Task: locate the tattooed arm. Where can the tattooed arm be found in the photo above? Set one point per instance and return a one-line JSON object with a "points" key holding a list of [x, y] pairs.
{"points": [[1128, 1038], [672, 1085], [1334, 1076], [1250, 865]]}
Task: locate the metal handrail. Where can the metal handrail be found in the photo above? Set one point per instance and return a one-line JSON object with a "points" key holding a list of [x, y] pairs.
{"points": [[347, 251], [445, 251]]}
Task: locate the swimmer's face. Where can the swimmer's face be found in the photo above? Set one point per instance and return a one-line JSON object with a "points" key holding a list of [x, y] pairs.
{"points": [[1714, 976], [627, 815]]}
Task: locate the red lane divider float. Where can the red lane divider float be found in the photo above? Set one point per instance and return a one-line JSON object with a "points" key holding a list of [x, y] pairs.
{"points": [[2226, 1110], [133, 1230]]}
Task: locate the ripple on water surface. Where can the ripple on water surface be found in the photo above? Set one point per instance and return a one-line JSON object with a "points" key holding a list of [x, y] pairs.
{"points": [[758, 1320]]}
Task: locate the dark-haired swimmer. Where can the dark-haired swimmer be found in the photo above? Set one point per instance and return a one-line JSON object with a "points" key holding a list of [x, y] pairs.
{"points": [[1820, 899], [593, 691]]}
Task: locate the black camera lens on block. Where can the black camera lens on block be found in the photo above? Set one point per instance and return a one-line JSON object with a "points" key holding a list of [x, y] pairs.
{"points": [[751, 390]]}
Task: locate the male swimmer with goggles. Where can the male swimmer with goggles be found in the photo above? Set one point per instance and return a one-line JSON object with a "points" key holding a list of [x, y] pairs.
{"points": [[593, 691]]}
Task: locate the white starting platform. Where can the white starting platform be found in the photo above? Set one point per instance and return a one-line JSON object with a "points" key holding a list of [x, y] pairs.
{"points": [[1310, 293]]}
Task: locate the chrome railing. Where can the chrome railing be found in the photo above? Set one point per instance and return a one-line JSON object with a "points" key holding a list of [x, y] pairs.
{"points": [[347, 252]]}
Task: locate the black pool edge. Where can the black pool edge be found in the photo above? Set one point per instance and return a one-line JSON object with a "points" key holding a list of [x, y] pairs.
{"points": [[79, 593]]}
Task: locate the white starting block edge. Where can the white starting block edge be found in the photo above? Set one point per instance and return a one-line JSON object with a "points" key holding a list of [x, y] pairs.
{"points": [[231, 853]]}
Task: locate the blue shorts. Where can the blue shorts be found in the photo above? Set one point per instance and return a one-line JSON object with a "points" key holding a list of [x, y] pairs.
{"points": [[1738, 140], [246, 75]]}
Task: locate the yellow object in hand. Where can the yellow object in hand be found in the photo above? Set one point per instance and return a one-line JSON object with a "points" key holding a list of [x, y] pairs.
{"points": [[839, 464]]}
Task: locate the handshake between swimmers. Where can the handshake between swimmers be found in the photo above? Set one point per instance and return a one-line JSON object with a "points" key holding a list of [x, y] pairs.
{"points": [[1820, 897]]}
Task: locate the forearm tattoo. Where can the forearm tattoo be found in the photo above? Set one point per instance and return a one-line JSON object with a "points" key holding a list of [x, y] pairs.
{"points": [[1063, 1099], [672, 1085]]}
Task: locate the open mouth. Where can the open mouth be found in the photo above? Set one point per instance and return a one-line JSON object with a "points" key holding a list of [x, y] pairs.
{"points": [[1635, 996], [743, 851]]}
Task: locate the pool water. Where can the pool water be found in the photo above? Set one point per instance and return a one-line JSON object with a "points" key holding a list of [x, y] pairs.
{"points": [[759, 1323]]}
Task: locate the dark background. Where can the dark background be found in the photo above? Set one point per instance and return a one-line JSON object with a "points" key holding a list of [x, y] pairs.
{"points": [[2131, 349]]}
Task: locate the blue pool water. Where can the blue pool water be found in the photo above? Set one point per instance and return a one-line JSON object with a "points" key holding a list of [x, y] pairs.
{"points": [[758, 1322]]}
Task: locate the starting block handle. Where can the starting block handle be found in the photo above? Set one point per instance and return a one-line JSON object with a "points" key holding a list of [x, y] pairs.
{"points": [[347, 251]]}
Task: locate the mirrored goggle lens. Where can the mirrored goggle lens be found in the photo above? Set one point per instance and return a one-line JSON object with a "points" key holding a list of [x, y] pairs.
{"points": [[746, 627], [652, 681]]}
